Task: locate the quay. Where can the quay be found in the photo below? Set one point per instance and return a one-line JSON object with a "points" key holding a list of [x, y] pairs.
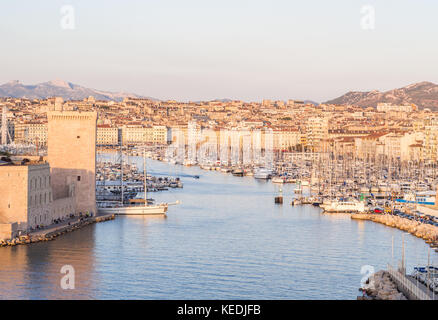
{"points": [[395, 284], [411, 288], [427, 232], [54, 231]]}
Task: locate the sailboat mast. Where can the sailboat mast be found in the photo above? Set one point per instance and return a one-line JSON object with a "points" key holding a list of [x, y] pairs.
{"points": [[121, 171], [145, 178]]}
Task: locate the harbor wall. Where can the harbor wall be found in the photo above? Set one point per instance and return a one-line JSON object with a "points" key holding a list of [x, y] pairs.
{"points": [[8, 231], [48, 234], [420, 230], [409, 288]]}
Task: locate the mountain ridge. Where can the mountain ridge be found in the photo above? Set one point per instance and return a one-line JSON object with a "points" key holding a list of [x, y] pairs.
{"points": [[423, 94], [60, 88]]}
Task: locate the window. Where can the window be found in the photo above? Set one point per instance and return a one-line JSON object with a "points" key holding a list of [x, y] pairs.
{"points": [[79, 178]]}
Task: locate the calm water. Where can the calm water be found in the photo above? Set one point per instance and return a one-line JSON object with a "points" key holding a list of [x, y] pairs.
{"points": [[227, 240]]}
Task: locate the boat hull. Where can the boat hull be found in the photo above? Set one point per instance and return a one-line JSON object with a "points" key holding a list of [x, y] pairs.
{"points": [[136, 210]]}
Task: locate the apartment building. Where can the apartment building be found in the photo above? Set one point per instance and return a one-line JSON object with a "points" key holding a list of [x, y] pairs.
{"points": [[286, 138], [430, 145], [138, 134], [34, 133], [107, 135], [387, 107], [316, 131]]}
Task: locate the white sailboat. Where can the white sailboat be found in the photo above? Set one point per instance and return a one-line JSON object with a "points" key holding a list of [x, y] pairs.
{"points": [[262, 173], [137, 206]]}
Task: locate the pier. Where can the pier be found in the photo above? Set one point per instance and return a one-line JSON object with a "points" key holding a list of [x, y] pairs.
{"points": [[411, 288], [51, 232]]}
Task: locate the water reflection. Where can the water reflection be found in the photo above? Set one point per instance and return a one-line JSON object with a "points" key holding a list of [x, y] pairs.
{"points": [[226, 240]]}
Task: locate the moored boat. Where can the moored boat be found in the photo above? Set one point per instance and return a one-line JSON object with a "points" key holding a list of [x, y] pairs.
{"points": [[278, 179]]}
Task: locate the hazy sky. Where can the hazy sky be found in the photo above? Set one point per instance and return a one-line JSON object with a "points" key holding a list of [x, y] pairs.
{"points": [[206, 49]]}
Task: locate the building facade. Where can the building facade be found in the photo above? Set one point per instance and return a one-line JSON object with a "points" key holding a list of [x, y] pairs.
{"points": [[27, 197], [72, 156]]}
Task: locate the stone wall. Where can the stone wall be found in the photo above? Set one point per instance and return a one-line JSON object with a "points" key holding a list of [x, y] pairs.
{"points": [[72, 156], [14, 193], [8, 231], [62, 208]]}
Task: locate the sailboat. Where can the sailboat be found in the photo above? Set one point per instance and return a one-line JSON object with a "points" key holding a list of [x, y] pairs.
{"points": [[137, 206]]}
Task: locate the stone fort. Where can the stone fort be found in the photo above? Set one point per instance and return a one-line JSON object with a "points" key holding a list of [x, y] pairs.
{"points": [[38, 190]]}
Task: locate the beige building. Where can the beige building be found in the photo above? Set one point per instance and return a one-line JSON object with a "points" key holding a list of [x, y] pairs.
{"points": [[27, 198], [107, 135], [388, 107], [285, 139], [34, 133], [72, 156], [138, 134], [316, 132], [161, 134], [430, 145], [370, 146], [399, 145], [34, 193], [134, 134]]}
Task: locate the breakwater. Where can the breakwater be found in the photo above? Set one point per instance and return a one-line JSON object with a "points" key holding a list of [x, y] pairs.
{"points": [[380, 286], [420, 230], [54, 232]]}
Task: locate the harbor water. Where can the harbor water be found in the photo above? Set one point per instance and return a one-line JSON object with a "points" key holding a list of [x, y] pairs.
{"points": [[227, 239]]}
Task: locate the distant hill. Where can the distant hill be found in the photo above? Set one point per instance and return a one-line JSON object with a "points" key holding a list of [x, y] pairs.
{"points": [[59, 88], [423, 94]]}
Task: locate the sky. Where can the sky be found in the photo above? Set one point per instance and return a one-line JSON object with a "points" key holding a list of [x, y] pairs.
{"points": [[207, 49]]}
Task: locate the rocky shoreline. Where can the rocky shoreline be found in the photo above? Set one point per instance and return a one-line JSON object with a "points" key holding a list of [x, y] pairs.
{"points": [[52, 234], [426, 232], [381, 287]]}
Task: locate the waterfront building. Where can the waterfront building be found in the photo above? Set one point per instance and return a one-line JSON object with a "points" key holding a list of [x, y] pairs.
{"points": [[72, 156], [399, 145], [134, 134], [370, 146], [107, 135], [27, 197], [286, 138], [138, 134], [161, 135]]}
